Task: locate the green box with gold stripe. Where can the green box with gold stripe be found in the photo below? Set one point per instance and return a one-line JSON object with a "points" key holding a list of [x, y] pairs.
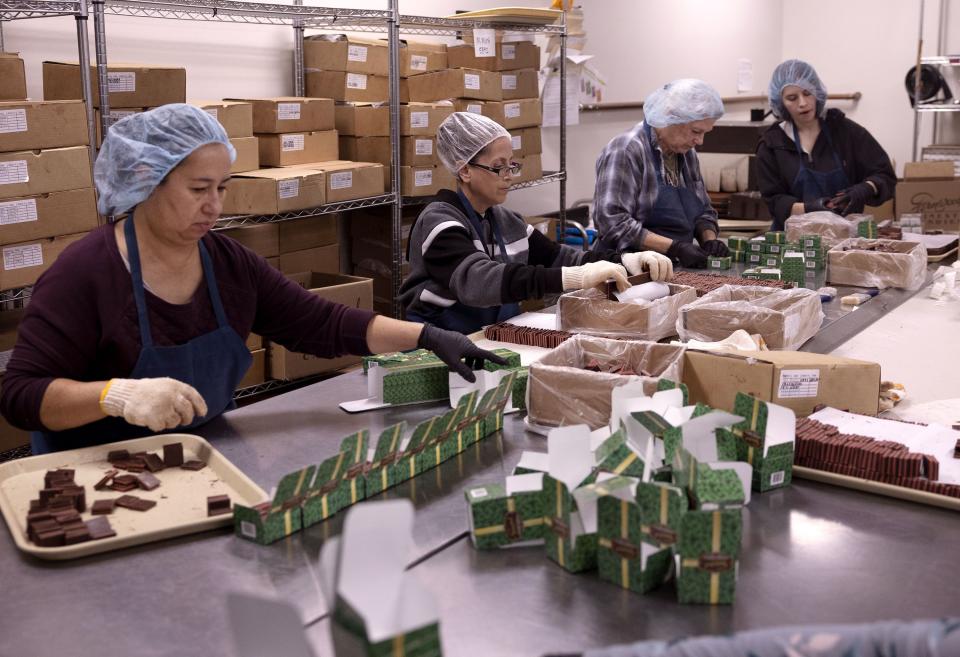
{"points": [[622, 556], [708, 552]]}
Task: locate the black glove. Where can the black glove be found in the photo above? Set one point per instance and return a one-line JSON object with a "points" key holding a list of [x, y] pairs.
{"points": [[451, 347], [715, 248], [688, 253], [852, 199], [819, 205]]}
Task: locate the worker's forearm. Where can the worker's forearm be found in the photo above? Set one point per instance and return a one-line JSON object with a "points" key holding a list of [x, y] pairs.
{"points": [[658, 243], [797, 209], [385, 334], [68, 404]]}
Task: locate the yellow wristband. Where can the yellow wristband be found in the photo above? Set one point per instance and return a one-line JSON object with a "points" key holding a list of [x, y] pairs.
{"points": [[103, 394]]}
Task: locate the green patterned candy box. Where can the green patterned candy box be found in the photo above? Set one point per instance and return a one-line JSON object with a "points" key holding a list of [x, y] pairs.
{"points": [[350, 639], [702, 463], [622, 556], [575, 553], [765, 439], [384, 471], [708, 552], [661, 507], [329, 493], [622, 461], [263, 526], [499, 517]]}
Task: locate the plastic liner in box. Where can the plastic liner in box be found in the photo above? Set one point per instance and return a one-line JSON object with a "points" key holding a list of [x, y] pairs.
{"points": [[904, 265], [784, 318], [589, 311], [831, 227], [560, 392]]}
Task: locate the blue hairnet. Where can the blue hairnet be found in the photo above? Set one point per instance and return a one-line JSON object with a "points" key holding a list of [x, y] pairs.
{"points": [[682, 101], [799, 74], [464, 134], [141, 149]]}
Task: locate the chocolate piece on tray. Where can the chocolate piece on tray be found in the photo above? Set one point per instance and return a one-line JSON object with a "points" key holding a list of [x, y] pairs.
{"points": [[194, 465], [101, 507], [173, 455], [135, 503], [218, 504]]}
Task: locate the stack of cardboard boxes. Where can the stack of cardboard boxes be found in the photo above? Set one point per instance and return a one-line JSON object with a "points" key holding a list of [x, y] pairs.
{"points": [[237, 119]]}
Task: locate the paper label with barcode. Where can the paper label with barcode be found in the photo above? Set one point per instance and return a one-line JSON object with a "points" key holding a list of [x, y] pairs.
{"points": [[508, 82], [776, 478], [356, 81], [509, 51], [418, 62], [424, 147], [19, 257], [471, 81], [14, 120], [288, 111], [356, 53], [248, 529], [288, 188], [477, 493], [475, 109], [291, 143], [14, 172], [511, 110], [115, 115], [517, 142], [18, 212], [423, 178], [341, 180], [484, 43], [799, 383], [121, 82], [419, 119], [212, 111]]}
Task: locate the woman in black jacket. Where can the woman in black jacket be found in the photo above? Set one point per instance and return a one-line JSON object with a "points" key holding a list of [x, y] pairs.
{"points": [[814, 160]]}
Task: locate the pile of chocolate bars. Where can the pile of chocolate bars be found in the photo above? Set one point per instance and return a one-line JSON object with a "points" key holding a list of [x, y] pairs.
{"points": [[54, 518], [704, 283], [533, 337]]}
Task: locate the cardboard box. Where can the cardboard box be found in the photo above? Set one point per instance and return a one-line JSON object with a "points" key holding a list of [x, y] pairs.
{"points": [[335, 52], [346, 181], [455, 83], [307, 233], [325, 259], [422, 119], [784, 318], [520, 84], [936, 200], [425, 181], [290, 114], [373, 120], [509, 57], [796, 379], [262, 239], [526, 141], [511, 114], [47, 215], [589, 311], [419, 58], [347, 290], [38, 124], [13, 80], [258, 370], [352, 87], [114, 115], [248, 154], [280, 150], [414, 151], [905, 266], [270, 191], [236, 117], [377, 224], [24, 262], [128, 85], [254, 342], [28, 173], [532, 169]]}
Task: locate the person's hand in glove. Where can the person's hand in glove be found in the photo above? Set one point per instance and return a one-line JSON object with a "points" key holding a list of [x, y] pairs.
{"points": [[158, 404], [451, 347], [688, 254], [659, 265], [852, 199], [715, 248], [819, 205], [594, 274]]}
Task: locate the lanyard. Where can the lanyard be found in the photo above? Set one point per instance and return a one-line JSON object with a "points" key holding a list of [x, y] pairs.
{"points": [[477, 223]]}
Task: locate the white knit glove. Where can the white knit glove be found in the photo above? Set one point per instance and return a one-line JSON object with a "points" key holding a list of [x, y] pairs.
{"points": [[594, 274], [659, 265], [157, 404]]}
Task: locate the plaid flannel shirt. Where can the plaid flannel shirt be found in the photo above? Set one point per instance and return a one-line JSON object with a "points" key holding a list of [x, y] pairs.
{"points": [[626, 190]]}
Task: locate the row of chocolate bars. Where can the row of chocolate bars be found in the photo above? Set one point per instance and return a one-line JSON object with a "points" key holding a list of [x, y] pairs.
{"points": [[657, 498], [316, 492]]}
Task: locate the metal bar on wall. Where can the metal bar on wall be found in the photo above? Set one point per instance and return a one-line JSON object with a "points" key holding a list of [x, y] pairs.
{"points": [[100, 44], [396, 269], [83, 49], [563, 131], [299, 74], [1, 37]]}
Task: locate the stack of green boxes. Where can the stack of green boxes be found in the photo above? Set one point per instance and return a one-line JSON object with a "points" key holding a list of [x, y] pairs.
{"points": [[754, 254], [719, 262], [793, 268], [814, 255], [738, 248], [762, 273]]}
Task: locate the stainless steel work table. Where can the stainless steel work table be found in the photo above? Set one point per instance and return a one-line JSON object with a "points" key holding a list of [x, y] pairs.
{"points": [[810, 553]]}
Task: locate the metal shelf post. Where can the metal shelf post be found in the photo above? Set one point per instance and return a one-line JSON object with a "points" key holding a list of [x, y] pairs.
{"points": [[563, 132], [396, 269], [100, 44], [299, 74], [83, 48]]}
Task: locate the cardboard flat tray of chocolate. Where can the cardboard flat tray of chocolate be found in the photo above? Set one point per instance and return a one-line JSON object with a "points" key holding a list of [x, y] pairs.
{"points": [[97, 499]]}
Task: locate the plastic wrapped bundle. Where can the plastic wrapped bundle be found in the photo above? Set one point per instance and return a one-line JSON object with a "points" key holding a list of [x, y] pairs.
{"points": [[878, 263], [784, 318], [589, 311], [832, 228]]}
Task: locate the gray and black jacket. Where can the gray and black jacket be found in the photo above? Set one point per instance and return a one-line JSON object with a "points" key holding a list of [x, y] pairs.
{"points": [[448, 261]]}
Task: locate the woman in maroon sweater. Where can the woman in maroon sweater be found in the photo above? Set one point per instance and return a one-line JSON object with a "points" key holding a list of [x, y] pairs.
{"points": [[140, 327]]}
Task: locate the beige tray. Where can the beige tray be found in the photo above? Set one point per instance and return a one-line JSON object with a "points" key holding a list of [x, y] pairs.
{"points": [[181, 497], [877, 487], [942, 256]]}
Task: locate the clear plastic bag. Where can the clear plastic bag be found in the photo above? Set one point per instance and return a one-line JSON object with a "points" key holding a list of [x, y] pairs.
{"points": [[784, 318], [831, 227], [561, 392], [589, 311], [904, 266]]}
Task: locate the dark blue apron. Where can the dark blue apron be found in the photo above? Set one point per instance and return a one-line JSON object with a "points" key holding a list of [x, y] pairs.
{"points": [[676, 210], [809, 185], [213, 363], [468, 319]]}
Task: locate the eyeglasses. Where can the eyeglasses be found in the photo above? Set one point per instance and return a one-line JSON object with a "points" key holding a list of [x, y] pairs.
{"points": [[512, 169]]}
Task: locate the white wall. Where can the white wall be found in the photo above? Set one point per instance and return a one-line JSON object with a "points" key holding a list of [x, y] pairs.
{"points": [[857, 45]]}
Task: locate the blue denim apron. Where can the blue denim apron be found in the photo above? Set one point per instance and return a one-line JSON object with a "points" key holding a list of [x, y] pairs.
{"points": [[677, 208], [809, 185], [213, 363]]}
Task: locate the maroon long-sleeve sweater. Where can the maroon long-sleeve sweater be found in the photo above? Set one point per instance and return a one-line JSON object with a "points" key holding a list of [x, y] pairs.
{"points": [[81, 322]]}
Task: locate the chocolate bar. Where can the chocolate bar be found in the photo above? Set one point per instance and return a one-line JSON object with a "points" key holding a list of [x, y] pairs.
{"points": [[534, 337], [194, 465], [105, 482], [147, 481], [118, 455], [100, 528], [101, 507], [135, 503], [173, 455], [704, 283], [218, 504], [154, 463]]}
